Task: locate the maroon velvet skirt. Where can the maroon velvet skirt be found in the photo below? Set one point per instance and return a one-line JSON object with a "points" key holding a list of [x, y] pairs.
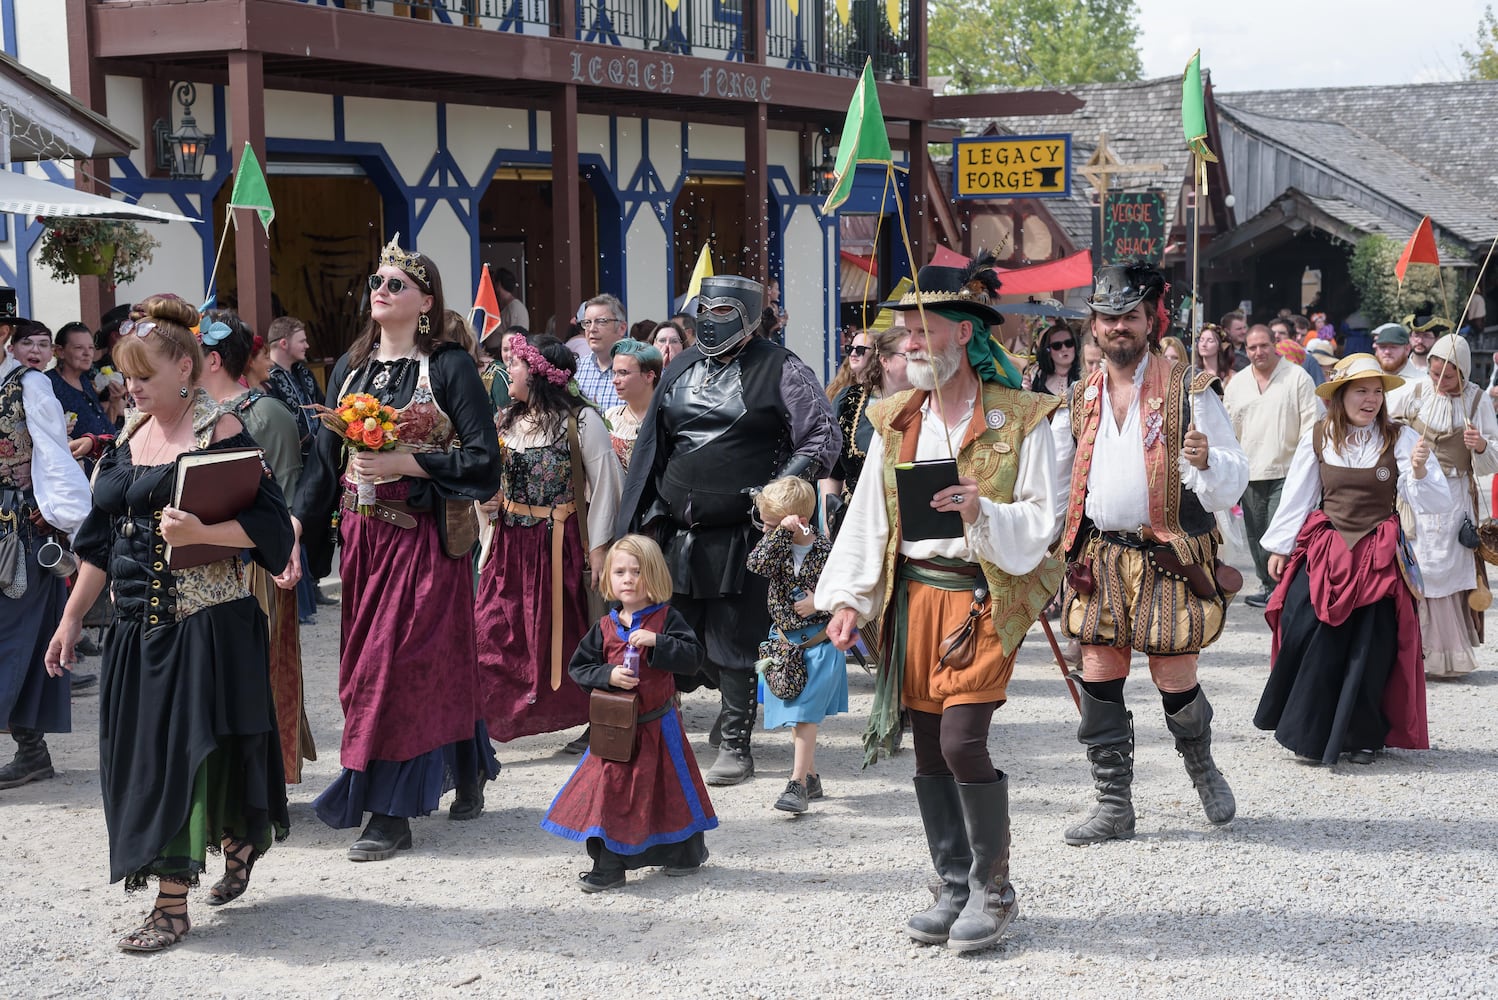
{"points": [[514, 631], [408, 677]]}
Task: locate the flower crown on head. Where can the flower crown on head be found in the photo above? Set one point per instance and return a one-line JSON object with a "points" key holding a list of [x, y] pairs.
{"points": [[537, 363], [410, 262]]}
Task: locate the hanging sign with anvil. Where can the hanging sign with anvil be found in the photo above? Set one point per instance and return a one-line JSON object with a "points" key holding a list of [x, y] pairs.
{"points": [[1011, 166]]}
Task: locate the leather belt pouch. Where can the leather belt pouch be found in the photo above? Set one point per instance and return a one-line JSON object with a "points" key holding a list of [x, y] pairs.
{"points": [[1079, 577], [613, 718], [1196, 577], [959, 647]]}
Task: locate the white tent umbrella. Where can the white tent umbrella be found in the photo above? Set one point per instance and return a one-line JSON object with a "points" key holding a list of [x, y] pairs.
{"points": [[26, 195]]}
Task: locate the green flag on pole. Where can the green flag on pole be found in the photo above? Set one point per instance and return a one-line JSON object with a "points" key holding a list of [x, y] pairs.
{"points": [[1194, 109], [250, 190], [864, 139]]}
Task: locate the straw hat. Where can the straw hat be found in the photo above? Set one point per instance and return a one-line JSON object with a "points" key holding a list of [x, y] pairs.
{"points": [[1354, 367]]}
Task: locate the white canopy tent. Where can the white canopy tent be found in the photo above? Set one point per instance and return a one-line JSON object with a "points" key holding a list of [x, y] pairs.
{"points": [[26, 195]]}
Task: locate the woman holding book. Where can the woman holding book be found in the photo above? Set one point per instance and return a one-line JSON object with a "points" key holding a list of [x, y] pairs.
{"points": [[408, 676], [188, 751]]}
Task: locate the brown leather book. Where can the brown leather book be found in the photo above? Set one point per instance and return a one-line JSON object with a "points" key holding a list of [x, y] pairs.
{"points": [[217, 486]]}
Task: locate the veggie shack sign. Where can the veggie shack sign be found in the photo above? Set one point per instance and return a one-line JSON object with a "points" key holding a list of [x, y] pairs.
{"points": [[1011, 166], [1133, 226]]}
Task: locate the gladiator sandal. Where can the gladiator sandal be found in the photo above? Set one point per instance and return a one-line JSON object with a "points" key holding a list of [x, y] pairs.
{"points": [[239, 860], [991, 906], [165, 925], [1192, 728], [941, 815], [1108, 731]]}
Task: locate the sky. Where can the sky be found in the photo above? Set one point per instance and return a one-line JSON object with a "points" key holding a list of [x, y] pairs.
{"points": [[1275, 44]]}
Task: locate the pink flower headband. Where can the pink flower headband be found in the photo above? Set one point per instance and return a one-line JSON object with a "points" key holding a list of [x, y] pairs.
{"points": [[537, 363]]}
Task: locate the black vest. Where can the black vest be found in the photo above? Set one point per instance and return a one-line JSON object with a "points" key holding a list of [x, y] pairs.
{"points": [[723, 429]]}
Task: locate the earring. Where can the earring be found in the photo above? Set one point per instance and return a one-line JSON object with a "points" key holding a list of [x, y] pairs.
{"points": [[424, 326], [182, 392]]}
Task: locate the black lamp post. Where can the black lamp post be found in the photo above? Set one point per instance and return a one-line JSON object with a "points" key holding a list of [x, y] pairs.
{"points": [[824, 174], [182, 151]]}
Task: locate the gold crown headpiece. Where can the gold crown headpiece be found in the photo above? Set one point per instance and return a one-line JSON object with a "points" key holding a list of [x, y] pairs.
{"points": [[410, 262]]}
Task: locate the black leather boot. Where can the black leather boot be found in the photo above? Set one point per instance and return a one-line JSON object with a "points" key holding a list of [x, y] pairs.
{"points": [[32, 762], [991, 906], [1192, 728], [468, 803], [734, 763], [946, 836], [382, 838], [1108, 730]]}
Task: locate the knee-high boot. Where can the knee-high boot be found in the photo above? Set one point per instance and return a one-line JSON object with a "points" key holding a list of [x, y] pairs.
{"points": [[1192, 728], [1107, 729], [734, 763], [991, 905], [946, 836]]}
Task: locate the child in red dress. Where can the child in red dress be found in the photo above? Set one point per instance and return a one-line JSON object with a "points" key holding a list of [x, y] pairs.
{"points": [[653, 809]]}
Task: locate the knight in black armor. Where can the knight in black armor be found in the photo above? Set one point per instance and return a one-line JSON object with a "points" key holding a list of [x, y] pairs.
{"points": [[733, 412]]}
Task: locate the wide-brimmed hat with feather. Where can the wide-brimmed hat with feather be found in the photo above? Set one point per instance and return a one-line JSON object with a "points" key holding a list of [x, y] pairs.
{"points": [[972, 290]]}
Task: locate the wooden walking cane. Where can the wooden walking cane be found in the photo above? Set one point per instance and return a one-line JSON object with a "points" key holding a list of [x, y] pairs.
{"points": [[1060, 661]]}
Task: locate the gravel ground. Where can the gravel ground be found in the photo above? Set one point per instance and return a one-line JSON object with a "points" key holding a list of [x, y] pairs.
{"points": [[1346, 882]]}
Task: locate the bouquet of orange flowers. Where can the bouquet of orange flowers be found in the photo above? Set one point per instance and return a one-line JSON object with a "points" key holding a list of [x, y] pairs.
{"points": [[364, 424]]}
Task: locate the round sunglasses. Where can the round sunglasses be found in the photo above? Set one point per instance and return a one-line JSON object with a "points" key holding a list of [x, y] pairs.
{"points": [[396, 285]]}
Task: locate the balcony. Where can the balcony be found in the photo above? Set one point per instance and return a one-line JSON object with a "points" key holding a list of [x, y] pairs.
{"points": [[814, 38]]}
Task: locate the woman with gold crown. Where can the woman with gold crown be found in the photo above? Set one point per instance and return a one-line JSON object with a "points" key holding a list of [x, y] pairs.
{"points": [[408, 677], [1457, 418]]}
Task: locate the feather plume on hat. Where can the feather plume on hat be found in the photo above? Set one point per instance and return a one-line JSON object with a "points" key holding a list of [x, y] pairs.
{"points": [[979, 281]]}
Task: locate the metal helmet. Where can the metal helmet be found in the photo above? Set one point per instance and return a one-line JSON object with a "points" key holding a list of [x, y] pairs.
{"points": [[720, 332]]}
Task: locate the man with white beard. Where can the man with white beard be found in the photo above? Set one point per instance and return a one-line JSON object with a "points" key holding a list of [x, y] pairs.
{"points": [[992, 580]]}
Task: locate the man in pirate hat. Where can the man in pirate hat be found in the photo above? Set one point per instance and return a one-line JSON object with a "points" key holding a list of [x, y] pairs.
{"points": [[970, 593], [731, 413], [1426, 326], [1156, 456]]}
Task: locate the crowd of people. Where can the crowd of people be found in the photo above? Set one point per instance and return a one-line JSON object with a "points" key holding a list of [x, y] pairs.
{"points": [[539, 536]]}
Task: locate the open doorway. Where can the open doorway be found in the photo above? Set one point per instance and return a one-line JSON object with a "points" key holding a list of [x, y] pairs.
{"points": [[324, 243], [515, 215], [708, 210]]}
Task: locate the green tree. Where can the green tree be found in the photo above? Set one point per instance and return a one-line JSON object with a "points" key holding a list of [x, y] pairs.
{"points": [[1381, 299], [1482, 64], [1033, 43]]}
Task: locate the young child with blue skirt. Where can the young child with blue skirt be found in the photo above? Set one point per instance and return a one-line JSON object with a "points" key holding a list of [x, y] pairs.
{"points": [[791, 556], [653, 809]]}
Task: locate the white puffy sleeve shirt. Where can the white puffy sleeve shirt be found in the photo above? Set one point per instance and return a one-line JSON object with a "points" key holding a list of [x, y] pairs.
{"points": [[1014, 536], [61, 489], [1364, 446]]}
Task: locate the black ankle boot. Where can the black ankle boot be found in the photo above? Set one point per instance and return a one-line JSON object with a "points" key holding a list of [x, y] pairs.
{"points": [[469, 802], [382, 838], [32, 762]]}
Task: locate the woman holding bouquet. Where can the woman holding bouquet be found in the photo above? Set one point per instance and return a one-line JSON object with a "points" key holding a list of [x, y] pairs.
{"points": [[561, 485], [408, 676]]}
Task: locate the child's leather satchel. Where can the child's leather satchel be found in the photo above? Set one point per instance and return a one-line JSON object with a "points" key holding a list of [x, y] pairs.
{"points": [[613, 718]]}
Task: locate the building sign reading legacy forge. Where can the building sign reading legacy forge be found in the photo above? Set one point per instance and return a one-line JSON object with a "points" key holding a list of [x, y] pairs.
{"points": [[1133, 226], [657, 74], [1011, 166]]}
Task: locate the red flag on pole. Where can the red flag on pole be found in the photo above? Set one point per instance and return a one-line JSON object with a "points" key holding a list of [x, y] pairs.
{"points": [[487, 303], [1421, 249]]}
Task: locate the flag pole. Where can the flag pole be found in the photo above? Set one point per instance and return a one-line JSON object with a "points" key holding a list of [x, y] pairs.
{"points": [[213, 273], [1476, 285]]}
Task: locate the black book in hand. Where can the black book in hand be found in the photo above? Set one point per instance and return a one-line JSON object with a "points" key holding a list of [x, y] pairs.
{"points": [[916, 483]]}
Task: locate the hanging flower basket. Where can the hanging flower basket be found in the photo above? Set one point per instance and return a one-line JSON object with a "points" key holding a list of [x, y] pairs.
{"points": [[97, 260], [114, 251]]}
